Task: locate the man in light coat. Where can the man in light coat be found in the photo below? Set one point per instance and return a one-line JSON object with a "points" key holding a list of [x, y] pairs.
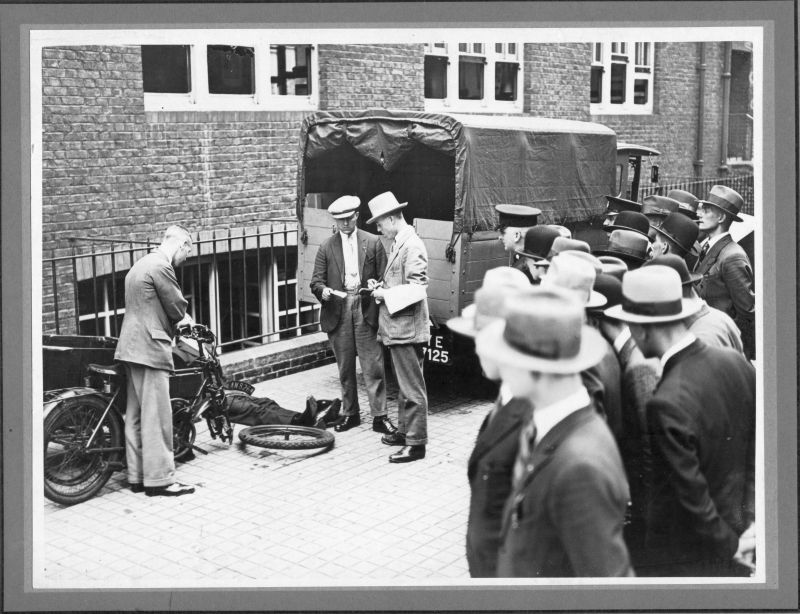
{"points": [[403, 324], [344, 264], [154, 307]]}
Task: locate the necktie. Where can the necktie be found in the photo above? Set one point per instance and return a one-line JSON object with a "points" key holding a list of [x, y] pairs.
{"points": [[703, 251], [522, 464]]}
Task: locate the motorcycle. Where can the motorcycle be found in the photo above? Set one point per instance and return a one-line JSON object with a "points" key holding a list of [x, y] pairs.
{"points": [[84, 430]]}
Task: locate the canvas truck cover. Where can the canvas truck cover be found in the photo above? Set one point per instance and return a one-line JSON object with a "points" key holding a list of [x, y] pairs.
{"points": [[565, 168]]}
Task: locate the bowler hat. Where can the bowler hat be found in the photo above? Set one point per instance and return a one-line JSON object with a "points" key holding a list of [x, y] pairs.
{"points": [[679, 265], [616, 205], [576, 274], [610, 287], [498, 283], [383, 204], [518, 216], [659, 206], [651, 295], [562, 244], [679, 229], [611, 265], [630, 220], [562, 230], [626, 245], [538, 241], [723, 197], [687, 202], [543, 331], [344, 206]]}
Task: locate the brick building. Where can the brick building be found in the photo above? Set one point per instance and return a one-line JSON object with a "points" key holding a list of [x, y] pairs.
{"points": [[206, 134]]}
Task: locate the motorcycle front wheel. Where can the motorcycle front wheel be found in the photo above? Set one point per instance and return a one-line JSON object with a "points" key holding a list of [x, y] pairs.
{"points": [[73, 472], [286, 437], [183, 429]]}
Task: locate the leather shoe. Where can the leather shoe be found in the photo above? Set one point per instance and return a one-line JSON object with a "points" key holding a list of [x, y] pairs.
{"points": [[136, 486], [407, 454], [329, 411], [348, 423], [394, 439], [382, 424], [176, 489]]}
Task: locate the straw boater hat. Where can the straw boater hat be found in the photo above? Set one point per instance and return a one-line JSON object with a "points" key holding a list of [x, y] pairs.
{"points": [[677, 263], [613, 266], [543, 331], [517, 216], [573, 273], [687, 202], [344, 206], [498, 284], [538, 241], [679, 229], [383, 204], [723, 197], [630, 220], [652, 295]]}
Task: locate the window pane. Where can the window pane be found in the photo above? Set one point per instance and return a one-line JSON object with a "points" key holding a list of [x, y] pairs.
{"points": [[640, 91], [512, 48], [598, 52], [462, 47], [290, 70], [505, 80], [230, 70], [498, 47], [470, 78], [477, 47], [596, 86], [165, 69], [435, 76], [618, 72]]}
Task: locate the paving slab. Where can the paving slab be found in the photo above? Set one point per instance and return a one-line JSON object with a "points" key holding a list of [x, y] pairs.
{"points": [[282, 518]]}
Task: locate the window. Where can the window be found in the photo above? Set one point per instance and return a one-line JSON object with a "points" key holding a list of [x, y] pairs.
{"points": [[206, 75], [101, 305], [473, 76], [621, 78]]}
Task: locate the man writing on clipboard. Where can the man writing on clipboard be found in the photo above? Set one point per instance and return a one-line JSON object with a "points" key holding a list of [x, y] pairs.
{"points": [[403, 323]]}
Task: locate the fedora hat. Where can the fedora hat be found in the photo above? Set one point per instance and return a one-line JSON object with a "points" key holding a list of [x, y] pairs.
{"points": [[687, 202], [344, 206], [543, 331], [562, 230], [518, 216], [679, 265], [610, 287], [383, 204], [611, 265], [651, 295], [679, 229], [616, 204], [498, 283], [723, 197], [538, 241], [659, 206], [626, 245], [571, 271], [562, 244], [630, 220]]}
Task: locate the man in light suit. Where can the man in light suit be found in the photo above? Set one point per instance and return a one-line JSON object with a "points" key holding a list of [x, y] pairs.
{"points": [[403, 324], [343, 267], [727, 276], [701, 420], [154, 306], [565, 513]]}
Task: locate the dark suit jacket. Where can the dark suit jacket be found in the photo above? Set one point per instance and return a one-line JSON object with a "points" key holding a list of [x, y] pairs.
{"points": [[329, 271], [489, 471], [702, 424], [727, 282], [565, 518], [603, 381], [154, 303]]}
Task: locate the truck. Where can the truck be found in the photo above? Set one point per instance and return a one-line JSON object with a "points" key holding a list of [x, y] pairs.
{"points": [[453, 169]]}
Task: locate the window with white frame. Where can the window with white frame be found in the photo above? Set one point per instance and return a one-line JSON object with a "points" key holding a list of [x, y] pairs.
{"points": [[621, 78], [473, 76], [209, 75]]}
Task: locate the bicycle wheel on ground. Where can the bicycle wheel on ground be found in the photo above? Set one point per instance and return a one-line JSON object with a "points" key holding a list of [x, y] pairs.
{"points": [[75, 471], [286, 437]]}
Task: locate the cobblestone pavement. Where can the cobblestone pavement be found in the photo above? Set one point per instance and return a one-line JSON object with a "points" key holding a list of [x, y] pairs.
{"points": [[274, 518]]}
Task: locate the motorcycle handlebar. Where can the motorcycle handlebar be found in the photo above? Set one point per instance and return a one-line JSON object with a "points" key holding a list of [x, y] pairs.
{"points": [[201, 332]]}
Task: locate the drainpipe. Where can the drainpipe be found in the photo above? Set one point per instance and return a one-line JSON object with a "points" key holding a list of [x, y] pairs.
{"points": [[701, 94], [726, 106]]}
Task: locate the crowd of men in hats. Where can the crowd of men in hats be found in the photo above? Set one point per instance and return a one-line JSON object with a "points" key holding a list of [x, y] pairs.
{"points": [[622, 439]]}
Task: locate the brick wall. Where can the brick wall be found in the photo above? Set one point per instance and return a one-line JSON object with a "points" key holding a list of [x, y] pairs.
{"points": [[557, 80], [382, 76]]}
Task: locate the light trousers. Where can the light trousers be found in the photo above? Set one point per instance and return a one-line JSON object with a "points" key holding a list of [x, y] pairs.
{"points": [[412, 397]]}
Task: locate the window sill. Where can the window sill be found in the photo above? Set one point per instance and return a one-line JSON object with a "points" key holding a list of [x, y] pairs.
{"points": [[206, 116], [620, 110], [472, 106]]}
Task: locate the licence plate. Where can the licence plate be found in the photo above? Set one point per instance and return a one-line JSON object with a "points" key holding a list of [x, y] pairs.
{"points": [[438, 350], [240, 386]]}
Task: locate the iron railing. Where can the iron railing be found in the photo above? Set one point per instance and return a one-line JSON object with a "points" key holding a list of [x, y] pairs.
{"points": [[700, 187], [241, 283]]}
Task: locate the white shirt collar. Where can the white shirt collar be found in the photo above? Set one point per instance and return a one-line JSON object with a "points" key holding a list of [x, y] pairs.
{"points": [[712, 240], [622, 339], [681, 344], [351, 237], [545, 418]]}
